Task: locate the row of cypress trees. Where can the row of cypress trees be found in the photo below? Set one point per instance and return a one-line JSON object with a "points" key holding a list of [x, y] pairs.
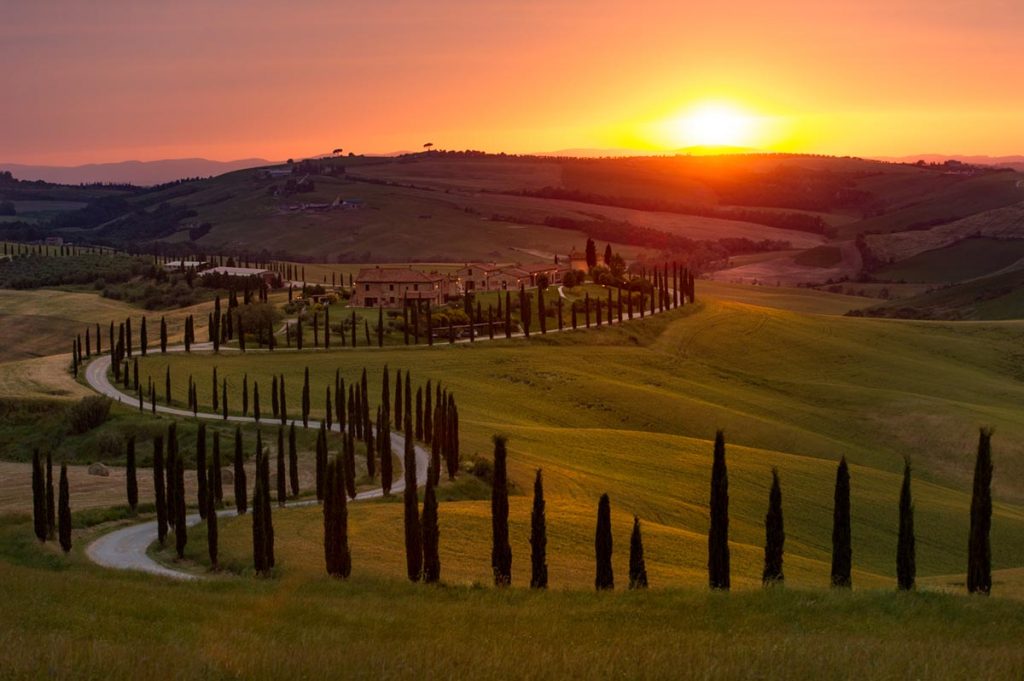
{"points": [[49, 519]]}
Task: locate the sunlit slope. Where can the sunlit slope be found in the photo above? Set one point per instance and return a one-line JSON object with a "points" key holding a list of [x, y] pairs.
{"points": [[630, 411]]}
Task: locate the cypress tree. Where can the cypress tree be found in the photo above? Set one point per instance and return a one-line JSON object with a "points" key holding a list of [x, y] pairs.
{"points": [[339, 403], [398, 397], [350, 465], [268, 524], [65, 510], [201, 464], [298, 332], [637, 566], [408, 397], [256, 401], [245, 394], [906, 560], [158, 487], [413, 544], [718, 535], [211, 524], [508, 314], [293, 461], [431, 536], [38, 497], [339, 558], [603, 579], [321, 462], [384, 447], [428, 416], [842, 552], [51, 509], [282, 482], [241, 502], [327, 328], [215, 385], [979, 551], [538, 537], [131, 478], [328, 410], [180, 530], [172, 451], [163, 335], [143, 338], [167, 384], [774, 535], [224, 398], [501, 550], [218, 482]]}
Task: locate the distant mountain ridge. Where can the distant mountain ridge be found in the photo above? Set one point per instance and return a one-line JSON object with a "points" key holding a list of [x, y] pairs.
{"points": [[142, 173]]}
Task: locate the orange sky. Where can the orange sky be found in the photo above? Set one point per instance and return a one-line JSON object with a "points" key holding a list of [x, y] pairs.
{"points": [[83, 83]]}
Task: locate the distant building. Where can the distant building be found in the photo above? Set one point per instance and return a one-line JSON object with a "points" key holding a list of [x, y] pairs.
{"points": [[578, 261], [181, 265], [54, 241], [492, 277], [266, 275], [390, 286]]}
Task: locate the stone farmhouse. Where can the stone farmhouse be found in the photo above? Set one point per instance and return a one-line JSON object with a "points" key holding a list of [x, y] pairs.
{"points": [[493, 277], [391, 286]]}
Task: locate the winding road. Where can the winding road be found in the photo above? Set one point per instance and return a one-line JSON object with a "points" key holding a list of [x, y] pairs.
{"points": [[125, 549]]}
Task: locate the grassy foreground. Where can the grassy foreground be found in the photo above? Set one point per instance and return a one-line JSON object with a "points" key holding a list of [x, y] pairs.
{"points": [[65, 618]]}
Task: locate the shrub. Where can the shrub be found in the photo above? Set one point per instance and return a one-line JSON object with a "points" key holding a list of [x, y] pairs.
{"points": [[110, 445], [483, 469], [88, 413]]}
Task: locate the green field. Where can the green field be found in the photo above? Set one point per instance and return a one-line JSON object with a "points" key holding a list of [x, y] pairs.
{"points": [[967, 259], [628, 410]]}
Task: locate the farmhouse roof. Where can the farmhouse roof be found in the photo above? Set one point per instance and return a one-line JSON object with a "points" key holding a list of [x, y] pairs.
{"points": [[395, 275]]}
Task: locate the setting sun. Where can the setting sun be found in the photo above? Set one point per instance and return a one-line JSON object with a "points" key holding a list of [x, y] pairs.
{"points": [[713, 124]]}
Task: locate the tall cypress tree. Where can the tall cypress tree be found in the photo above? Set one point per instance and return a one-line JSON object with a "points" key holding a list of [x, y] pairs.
{"points": [[268, 524], [38, 497], [413, 537], [718, 535], [350, 464], [336, 549], [131, 477], [159, 489], [637, 566], [256, 401], [201, 479], [64, 516], [979, 551], [51, 508], [163, 335], [428, 416], [293, 461], [501, 550], [282, 480], [384, 448], [842, 550], [211, 525], [217, 482], [398, 398], [604, 578], [241, 493], [538, 537], [774, 535], [169, 465], [431, 536], [330, 535], [180, 530], [906, 559]]}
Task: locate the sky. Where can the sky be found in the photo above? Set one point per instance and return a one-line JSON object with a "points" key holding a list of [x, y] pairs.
{"points": [[111, 81]]}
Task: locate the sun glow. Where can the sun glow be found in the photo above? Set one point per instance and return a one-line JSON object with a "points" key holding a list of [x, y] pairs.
{"points": [[713, 125]]}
